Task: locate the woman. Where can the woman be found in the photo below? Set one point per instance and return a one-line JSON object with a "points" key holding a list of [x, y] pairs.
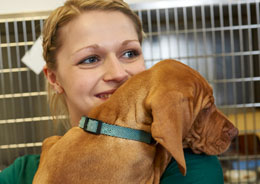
{"points": [[91, 47]]}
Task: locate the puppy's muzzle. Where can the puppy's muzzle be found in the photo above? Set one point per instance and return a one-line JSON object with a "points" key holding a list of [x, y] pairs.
{"points": [[232, 133]]}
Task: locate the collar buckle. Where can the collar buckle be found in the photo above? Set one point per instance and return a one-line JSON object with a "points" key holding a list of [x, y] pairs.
{"points": [[92, 126]]}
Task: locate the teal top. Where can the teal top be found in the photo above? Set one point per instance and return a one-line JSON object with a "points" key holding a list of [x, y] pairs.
{"points": [[21, 171], [201, 169]]}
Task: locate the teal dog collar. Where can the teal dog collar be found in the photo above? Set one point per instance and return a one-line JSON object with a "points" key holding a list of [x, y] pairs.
{"points": [[98, 127]]}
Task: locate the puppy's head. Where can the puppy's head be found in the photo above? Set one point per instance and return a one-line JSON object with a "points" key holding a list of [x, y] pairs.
{"points": [[184, 113], [211, 132]]}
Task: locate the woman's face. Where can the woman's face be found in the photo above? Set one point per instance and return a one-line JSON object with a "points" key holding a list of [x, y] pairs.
{"points": [[100, 51]]}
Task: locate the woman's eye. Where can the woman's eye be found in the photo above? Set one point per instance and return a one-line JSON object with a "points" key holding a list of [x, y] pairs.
{"points": [[130, 54], [89, 60]]}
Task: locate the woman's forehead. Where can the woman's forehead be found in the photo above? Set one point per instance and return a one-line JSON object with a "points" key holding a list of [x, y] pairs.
{"points": [[97, 27]]}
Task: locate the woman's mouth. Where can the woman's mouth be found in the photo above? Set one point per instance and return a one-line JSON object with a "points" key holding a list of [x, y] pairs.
{"points": [[106, 94]]}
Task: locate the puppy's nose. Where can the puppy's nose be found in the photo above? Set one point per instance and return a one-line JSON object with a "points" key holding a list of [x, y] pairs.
{"points": [[232, 133]]}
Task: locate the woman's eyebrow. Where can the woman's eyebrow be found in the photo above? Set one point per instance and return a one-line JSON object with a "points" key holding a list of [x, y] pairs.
{"points": [[78, 53], [128, 41], [94, 46]]}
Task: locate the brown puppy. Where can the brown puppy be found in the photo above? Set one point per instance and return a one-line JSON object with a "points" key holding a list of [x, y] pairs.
{"points": [[171, 101]]}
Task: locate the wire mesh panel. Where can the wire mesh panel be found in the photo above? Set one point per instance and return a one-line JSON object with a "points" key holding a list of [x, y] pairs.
{"points": [[220, 39], [24, 116]]}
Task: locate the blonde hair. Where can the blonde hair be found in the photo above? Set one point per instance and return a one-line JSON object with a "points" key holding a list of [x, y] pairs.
{"points": [[52, 41]]}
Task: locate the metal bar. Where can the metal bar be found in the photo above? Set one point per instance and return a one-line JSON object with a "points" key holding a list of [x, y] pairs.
{"points": [[233, 71], [13, 70], [31, 119], [29, 81], [33, 30], [213, 33], [258, 39], [241, 44], [37, 80], [177, 31], [21, 17], [9, 60], [19, 95], [251, 71], [140, 17], [22, 145], [245, 79], [213, 36], [185, 21], [16, 44], [150, 31], [139, 12], [159, 32], [258, 30], [194, 23], [204, 39], [232, 57], [223, 51], [19, 77], [168, 31], [4, 109], [41, 24]]}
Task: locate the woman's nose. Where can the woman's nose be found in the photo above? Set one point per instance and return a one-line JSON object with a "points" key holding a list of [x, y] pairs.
{"points": [[115, 70]]}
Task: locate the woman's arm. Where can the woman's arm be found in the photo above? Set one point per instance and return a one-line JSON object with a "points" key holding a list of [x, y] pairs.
{"points": [[21, 171], [201, 169]]}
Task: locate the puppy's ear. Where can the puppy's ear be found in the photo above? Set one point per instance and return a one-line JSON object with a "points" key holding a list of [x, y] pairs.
{"points": [[172, 116]]}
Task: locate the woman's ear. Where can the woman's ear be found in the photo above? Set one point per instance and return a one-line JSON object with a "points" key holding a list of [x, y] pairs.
{"points": [[52, 79]]}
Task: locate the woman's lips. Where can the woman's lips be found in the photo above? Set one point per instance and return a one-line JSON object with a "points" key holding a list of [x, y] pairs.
{"points": [[106, 94]]}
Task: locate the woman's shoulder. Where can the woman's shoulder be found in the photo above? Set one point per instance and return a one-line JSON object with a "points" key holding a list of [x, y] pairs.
{"points": [[21, 171], [201, 169]]}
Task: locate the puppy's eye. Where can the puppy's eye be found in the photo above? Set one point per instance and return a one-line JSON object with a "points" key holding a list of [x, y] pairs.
{"points": [[207, 108]]}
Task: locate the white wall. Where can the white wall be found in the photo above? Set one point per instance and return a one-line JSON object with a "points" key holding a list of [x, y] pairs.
{"points": [[27, 6]]}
